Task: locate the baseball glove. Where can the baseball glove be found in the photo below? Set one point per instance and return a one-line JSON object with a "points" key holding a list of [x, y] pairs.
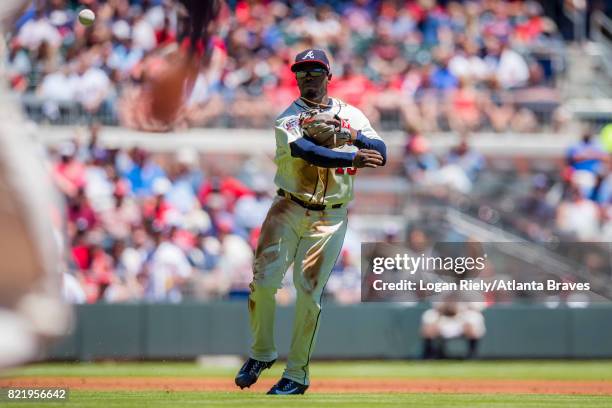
{"points": [[324, 128]]}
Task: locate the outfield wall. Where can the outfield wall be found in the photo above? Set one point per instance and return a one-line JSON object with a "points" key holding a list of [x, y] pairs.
{"points": [[183, 331]]}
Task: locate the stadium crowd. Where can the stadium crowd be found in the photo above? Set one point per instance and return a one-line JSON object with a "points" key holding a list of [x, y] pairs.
{"points": [[143, 226], [435, 65], [147, 227], [572, 202], [138, 230], [583, 198]]}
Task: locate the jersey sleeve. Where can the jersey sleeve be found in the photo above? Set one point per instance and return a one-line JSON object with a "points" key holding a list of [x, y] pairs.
{"points": [[287, 130], [367, 137], [361, 123]]}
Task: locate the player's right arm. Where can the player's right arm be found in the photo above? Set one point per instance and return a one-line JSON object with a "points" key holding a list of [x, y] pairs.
{"points": [[320, 156]]}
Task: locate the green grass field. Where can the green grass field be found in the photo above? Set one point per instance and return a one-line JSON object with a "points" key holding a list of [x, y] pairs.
{"points": [[320, 371], [356, 400]]}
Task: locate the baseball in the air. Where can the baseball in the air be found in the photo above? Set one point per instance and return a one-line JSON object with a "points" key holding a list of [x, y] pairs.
{"points": [[86, 17]]}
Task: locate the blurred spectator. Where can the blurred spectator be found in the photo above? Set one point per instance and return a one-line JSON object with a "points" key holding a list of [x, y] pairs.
{"points": [[236, 260], [185, 177], [56, 88], [251, 210], [457, 170], [578, 216], [69, 172], [141, 172], [586, 160], [80, 211], [510, 68], [467, 63], [536, 205], [587, 154], [419, 160], [156, 208], [124, 56], [169, 268], [345, 281], [39, 30], [143, 34], [467, 158], [119, 219], [222, 192], [94, 85], [441, 77]]}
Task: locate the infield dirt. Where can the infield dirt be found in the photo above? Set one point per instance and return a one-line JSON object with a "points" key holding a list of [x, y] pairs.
{"points": [[362, 385]]}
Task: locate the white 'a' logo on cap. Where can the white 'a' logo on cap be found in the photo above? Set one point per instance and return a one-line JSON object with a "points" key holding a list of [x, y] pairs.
{"points": [[310, 55]]}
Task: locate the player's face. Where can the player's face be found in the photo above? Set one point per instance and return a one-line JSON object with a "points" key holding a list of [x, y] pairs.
{"points": [[312, 81]]}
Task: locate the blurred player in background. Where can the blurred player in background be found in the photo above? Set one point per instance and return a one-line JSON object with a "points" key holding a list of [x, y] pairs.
{"points": [[32, 311], [449, 320], [31, 307], [167, 82]]}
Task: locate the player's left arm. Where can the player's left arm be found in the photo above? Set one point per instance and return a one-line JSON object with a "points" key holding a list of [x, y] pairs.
{"points": [[363, 136]]}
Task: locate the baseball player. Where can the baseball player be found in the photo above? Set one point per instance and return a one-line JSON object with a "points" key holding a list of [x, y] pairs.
{"points": [[320, 144], [31, 308]]}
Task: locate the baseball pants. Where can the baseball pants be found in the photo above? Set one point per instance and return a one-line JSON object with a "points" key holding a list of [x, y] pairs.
{"points": [[312, 241]]}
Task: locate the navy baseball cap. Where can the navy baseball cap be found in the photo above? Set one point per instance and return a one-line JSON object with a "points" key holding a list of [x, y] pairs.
{"points": [[311, 55]]}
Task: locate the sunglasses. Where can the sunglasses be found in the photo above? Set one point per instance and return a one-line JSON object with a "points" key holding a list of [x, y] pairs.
{"points": [[314, 72]]}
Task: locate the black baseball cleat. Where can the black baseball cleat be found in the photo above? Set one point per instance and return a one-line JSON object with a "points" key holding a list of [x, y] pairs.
{"points": [[250, 372], [287, 387]]}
